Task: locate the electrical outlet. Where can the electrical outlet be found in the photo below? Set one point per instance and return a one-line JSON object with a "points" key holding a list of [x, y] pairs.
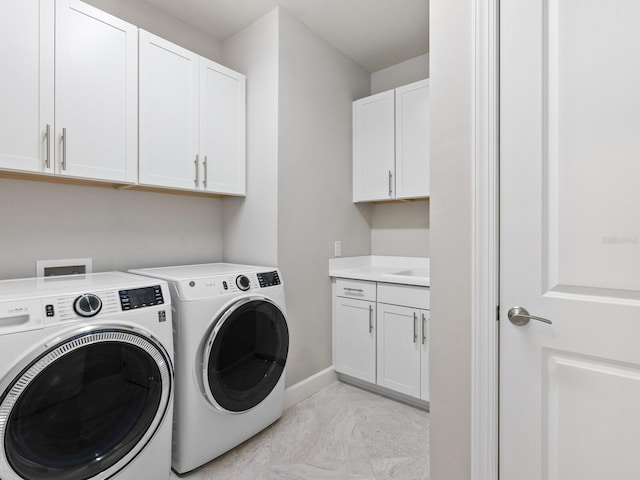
{"points": [[337, 248]]}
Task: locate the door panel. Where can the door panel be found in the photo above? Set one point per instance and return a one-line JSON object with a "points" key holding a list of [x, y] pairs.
{"points": [[169, 113], [399, 349], [570, 238], [26, 94], [96, 93], [222, 128]]}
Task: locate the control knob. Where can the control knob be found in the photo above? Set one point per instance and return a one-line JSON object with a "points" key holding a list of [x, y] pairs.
{"points": [[87, 305], [243, 282]]}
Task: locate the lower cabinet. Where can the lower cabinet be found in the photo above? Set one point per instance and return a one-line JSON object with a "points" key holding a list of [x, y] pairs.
{"points": [[381, 335], [402, 354]]}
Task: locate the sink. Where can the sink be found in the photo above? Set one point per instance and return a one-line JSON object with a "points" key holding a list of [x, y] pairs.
{"points": [[414, 272]]}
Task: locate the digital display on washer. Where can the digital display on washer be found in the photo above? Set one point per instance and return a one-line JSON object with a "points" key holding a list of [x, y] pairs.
{"points": [[268, 279], [141, 297]]}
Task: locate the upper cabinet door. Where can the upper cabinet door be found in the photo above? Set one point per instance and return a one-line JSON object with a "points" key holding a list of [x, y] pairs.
{"points": [[169, 123], [222, 129], [26, 86], [96, 94], [374, 147], [412, 140]]}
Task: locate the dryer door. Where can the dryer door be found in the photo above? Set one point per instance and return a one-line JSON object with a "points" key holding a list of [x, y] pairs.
{"points": [[245, 354], [84, 408]]}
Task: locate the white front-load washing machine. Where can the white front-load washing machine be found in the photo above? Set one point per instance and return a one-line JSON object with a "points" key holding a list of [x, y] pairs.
{"points": [[231, 345], [86, 378]]}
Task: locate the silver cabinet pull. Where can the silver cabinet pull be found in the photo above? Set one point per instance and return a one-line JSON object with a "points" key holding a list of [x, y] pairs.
{"points": [[415, 330], [197, 179], [48, 135], [204, 164], [370, 319], [424, 328], [64, 149], [519, 317], [390, 182], [357, 290]]}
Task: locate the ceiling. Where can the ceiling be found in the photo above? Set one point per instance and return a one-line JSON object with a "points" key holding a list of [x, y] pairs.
{"points": [[374, 33]]}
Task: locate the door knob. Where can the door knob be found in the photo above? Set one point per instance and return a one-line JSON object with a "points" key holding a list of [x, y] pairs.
{"points": [[519, 317]]}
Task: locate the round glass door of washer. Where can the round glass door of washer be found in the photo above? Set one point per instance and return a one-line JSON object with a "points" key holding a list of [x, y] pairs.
{"points": [[245, 354]]}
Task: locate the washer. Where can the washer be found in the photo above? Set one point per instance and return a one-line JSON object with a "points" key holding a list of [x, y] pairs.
{"points": [[86, 378], [231, 345]]}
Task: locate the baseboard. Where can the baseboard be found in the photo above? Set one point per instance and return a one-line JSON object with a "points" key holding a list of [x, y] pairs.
{"points": [[307, 387]]}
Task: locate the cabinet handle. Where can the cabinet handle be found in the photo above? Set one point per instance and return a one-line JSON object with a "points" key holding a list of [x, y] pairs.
{"points": [[424, 328], [370, 319], [390, 181], [358, 290], [197, 179], [415, 330], [47, 133], [204, 164], [64, 149]]}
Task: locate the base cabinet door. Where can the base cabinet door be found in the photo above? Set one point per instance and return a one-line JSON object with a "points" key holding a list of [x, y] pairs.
{"points": [[425, 317], [399, 347], [355, 335]]}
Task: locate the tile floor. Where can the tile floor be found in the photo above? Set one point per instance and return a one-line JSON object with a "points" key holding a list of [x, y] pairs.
{"points": [[341, 432]]}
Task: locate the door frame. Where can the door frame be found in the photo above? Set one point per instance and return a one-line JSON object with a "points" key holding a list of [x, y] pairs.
{"points": [[485, 238]]}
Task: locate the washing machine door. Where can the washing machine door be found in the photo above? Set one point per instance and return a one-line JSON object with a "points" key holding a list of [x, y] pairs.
{"points": [[245, 354], [84, 408]]}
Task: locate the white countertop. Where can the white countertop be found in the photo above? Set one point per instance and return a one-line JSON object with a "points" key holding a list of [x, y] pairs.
{"points": [[379, 268]]}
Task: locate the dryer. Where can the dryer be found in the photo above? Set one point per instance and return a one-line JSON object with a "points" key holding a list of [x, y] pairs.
{"points": [[86, 378], [231, 344]]}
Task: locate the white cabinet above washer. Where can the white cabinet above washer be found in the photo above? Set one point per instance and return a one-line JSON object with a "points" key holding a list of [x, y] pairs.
{"points": [[92, 134], [192, 120]]}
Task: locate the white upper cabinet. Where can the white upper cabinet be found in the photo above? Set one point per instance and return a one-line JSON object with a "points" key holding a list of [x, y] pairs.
{"points": [[169, 115], [96, 94], [412, 140], [222, 129], [26, 86], [374, 147], [94, 56], [192, 120], [391, 144]]}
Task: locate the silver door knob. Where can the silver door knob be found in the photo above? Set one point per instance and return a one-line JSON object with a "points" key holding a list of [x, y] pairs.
{"points": [[519, 317]]}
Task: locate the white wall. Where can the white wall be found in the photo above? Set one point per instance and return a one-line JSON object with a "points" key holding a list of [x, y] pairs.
{"points": [[251, 223], [400, 229], [154, 20], [316, 87], [403, 73], [451, 134], [118, 229], [299, 94]]}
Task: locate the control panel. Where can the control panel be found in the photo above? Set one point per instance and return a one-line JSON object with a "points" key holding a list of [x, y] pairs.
{"points": [[268, 279], [141, 297]]}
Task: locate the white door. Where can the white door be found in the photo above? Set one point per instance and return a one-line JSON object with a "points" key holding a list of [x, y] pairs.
{"points": [[222, 128], [412, 144], [570, 239], [26, 86], [374, 147], [399, 347], [96, 94], [169, 114]]}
